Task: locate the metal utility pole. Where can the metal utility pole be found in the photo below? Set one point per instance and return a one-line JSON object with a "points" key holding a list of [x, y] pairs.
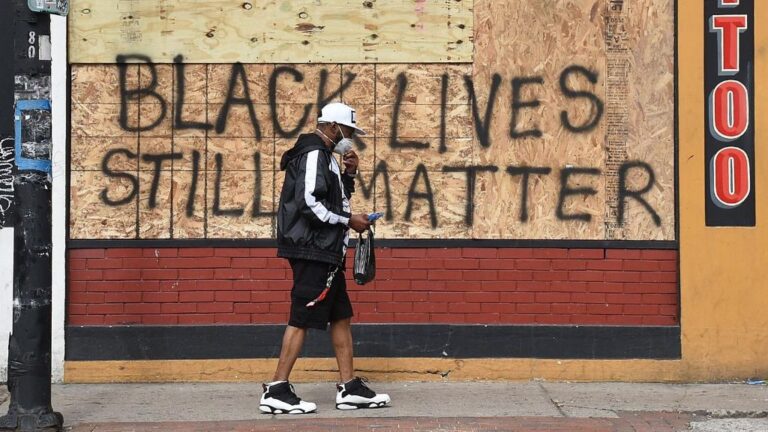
{"points": [[29, 356]]}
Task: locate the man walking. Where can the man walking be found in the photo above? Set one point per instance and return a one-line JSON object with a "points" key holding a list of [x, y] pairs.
{"points": [[313, 223]]}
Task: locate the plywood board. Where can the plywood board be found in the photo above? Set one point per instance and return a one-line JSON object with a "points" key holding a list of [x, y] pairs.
{"points": [[578, 33], [650, 122], [273, 31], [555, 96], [92, 217]]}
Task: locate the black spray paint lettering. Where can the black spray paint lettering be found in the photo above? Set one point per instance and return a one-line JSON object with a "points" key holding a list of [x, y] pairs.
{"points": [[567, 191], [217, 210], [383, 171], [525, 172], [483, 125], [637, 195], [597, 105], [109, 172], [257, 190], [359, 142], [238, 78], [394, 142], [443, 112], [238, 71], [158, 162], [421, 171], [179, 122], [297, 77], [322, 98], [193, 183], [518, 104], [127, 95], [421, 187], [471, 172]]}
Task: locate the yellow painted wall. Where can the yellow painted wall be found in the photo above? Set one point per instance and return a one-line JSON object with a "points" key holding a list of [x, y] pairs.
{"points": [[724, 276], [724, 271]]}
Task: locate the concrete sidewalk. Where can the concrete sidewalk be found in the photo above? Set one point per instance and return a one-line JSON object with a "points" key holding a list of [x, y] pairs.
{"points": [[524, 406]]}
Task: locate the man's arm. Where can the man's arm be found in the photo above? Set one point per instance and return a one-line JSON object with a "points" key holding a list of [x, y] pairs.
{"points": [[349, 184], [351, 161], [311, 188]]}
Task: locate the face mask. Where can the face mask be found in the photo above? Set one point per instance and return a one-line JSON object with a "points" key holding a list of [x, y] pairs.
{"points": [[344, 145]]}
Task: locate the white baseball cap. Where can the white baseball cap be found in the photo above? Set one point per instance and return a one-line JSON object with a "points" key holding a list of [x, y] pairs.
{"points": [[340, 113]]}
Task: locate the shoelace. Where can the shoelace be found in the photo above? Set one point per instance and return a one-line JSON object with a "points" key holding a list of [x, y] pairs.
{"points": [[367, 391], [293, 391], [290, 395]]}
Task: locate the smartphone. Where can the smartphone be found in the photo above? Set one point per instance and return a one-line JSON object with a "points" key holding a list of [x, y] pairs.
{"points": [[373, 217]]}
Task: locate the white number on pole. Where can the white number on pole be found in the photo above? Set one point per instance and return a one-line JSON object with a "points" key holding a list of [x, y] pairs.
{"points": [[32, 52]]}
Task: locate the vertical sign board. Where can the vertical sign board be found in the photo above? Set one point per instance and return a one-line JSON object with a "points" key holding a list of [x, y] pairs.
{"points": [[729, 86]]}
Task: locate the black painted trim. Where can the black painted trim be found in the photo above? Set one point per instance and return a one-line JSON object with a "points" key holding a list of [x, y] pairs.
{"points": [[677, 120], [68, 191], [375, 340], [171, 243], [387, 243]]}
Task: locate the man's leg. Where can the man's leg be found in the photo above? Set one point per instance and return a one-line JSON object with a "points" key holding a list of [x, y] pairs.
{"points": [[279, 397], [293, 341], [341, 335], [352, 393]]}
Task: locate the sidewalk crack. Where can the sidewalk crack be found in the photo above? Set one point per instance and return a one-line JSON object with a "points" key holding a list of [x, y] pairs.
{"points": [[554, 403], [589, 408]]}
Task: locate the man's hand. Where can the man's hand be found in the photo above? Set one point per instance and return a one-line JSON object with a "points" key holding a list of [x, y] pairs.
{"points": [[351, 161], [359, 222]]}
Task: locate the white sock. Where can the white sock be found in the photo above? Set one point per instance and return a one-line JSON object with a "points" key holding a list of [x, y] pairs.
{"points": [[275, 382]]}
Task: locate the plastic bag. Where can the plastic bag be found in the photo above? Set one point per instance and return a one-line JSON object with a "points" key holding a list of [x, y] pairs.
{"points": [[365, 259]]}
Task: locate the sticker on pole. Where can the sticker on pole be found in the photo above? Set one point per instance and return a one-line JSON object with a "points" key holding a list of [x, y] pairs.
{"points": [[33, 135], [58, 7]]}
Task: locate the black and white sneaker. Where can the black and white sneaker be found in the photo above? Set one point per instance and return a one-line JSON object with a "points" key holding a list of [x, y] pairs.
{"points": [[356, 394], [280, 398]]}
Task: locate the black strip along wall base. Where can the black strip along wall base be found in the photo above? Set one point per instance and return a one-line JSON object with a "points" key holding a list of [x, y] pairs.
{"points": [[375, 340]]}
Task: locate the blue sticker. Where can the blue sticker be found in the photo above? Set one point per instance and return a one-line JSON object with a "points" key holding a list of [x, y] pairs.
{"points": [[33, 135]]}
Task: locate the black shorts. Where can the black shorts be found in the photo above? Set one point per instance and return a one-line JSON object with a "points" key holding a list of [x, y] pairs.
{"points": [[309, 281]]}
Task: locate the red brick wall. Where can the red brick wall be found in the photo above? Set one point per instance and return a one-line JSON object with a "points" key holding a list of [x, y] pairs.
{"points": [[462, 285]]}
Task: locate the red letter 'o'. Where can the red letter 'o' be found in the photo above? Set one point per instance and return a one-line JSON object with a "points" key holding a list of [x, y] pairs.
{"points": [[729, 109], [730, 177]]}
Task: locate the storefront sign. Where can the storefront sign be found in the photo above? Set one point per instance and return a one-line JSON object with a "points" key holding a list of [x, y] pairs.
{"points": [[729, 87]]}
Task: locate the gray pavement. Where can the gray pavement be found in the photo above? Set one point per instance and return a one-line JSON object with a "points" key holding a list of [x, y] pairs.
{"points": [[718, 407], [731, 425]]}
